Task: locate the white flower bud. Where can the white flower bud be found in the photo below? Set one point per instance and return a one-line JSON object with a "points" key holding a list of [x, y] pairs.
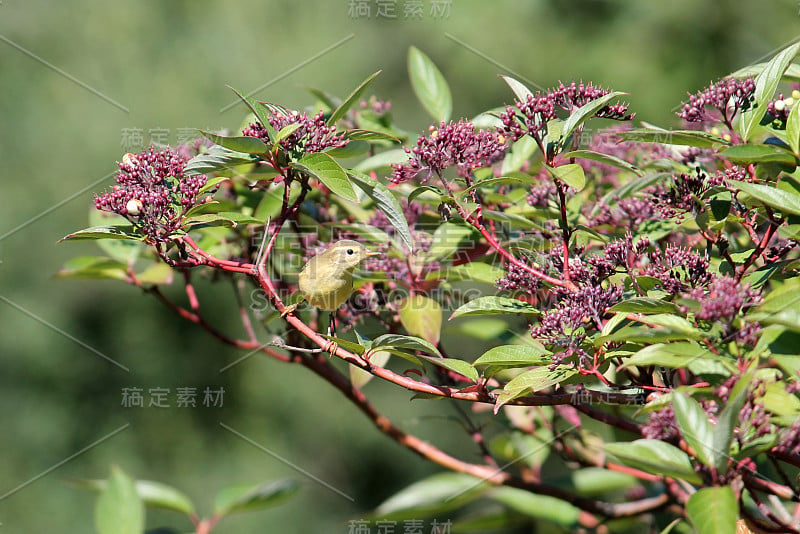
{"points": [[134, 206]]}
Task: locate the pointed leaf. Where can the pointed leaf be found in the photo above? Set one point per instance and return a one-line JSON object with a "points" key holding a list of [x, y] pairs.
{"points": [[520, 90], [656, 457], [95, 267], [260, 110], [387, 203], [521, 151], [434, 495], [785, 201], [645, 305], [537, 506], [429, 85], [674, 137], [766, 84], [532, 381], [243, 143], [793, 128], [105, 232], [447, 239], [747, 154], [359, 377], [509, 356], [404, 342], [217, 159], [286, 131], [119, 509], [325, 169], [242, 498], [352, 99], [606, 159], [586, 111], [713, 510], [727, 420], [494, 306], [421, 316], [695, 427], [571, 174], [452, 364]]}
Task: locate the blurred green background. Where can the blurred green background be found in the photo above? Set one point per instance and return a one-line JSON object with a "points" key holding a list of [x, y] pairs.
{"points": [[76, 76]]}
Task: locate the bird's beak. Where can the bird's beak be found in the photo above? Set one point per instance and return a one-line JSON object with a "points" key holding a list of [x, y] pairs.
{"points": [[370, 254]]}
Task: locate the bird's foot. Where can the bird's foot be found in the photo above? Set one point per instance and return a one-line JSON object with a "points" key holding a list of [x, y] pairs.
{"points": [[288, 310]]}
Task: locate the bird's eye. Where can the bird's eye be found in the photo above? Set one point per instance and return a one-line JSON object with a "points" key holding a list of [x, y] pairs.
{"points": [[350, 251]]}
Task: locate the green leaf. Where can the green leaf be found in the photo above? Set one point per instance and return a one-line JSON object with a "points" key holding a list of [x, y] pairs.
{"points": [[493, 306], [261, 111], [656, 457], [359, 377], [229, 219], [532, 381], [520, 90], [217, 159], [119, 509], [645, 305], [104, 232], [680, 355], [585, 112], [793, 128], [325, 169], [153, 494], [521, 151], [352, 99], [286, 131], [431, 496], [93, 267], [571, 174], [747, 154], [766, 84], [383, 160], [695, 427], [674, 137], [452, 364], [506, 356], [779, 199], [421, 316], [727, 419], [429, 85], [398, 341], [243, 498], [713, 510], [358, 134], [476, 271], [243, 144], [605, 159], [156, 274], [387, 203], [447, 239], [211, 183], [537, 506]]}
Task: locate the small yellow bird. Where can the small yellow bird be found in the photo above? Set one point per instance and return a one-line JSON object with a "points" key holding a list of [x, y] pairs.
{"points": [[326, 280]]}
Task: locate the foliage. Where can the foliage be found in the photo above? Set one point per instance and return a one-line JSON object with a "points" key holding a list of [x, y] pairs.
{"points": [[647, 278]]}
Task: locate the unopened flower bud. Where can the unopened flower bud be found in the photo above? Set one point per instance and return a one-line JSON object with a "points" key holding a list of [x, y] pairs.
{"points": [[796, 94], [788, 102], [780, 105]]}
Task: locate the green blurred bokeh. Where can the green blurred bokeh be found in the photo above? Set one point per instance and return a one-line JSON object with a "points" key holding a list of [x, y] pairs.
{"points": [[76, 76]]}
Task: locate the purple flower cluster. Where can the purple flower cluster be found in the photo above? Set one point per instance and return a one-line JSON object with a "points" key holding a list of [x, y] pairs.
{"points": [[723, 299], [518, 279], [683, 194], [539, 195], [456, 145], [313, 134], [727, 96], [678, 269], [628, 213], [531, 117], [565, 326], [152, 192]]}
